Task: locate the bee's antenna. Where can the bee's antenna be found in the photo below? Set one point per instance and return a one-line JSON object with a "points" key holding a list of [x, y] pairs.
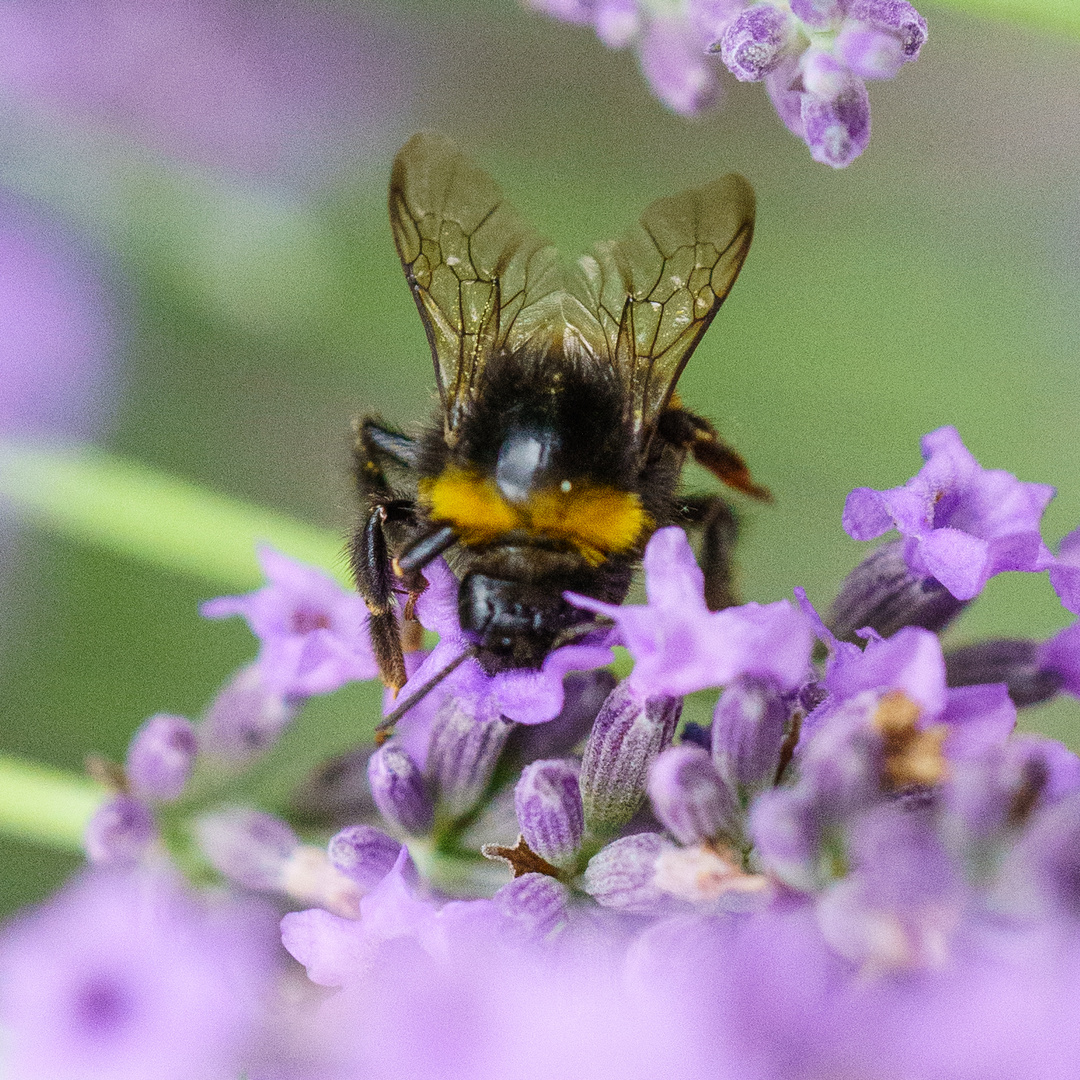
{"points": [[385, 728]]}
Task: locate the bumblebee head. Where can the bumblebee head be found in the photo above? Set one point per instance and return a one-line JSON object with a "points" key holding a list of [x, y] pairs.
{"points": [[514, 624]]}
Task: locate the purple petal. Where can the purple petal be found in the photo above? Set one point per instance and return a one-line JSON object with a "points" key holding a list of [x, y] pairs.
{"points": [[866, 515], [675, 66], [978, 717], [958, 560]]}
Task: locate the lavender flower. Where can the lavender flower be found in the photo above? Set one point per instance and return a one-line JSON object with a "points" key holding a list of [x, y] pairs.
{"points": [[120, 832], [679, 646], [313, 633], [814, 55], [547, 799], [961, 523], [861, 861], [161, 756], [128, 976]]}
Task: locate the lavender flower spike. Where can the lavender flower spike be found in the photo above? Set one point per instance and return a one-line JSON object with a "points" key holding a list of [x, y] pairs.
{"points": [[549, 809], [962, 524], [627, 735]]}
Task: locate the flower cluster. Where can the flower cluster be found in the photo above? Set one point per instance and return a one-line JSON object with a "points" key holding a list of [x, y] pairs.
{"points": [[814, 56], [858, 869]]}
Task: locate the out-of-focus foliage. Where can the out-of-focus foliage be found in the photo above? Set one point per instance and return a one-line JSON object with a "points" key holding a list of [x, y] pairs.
{"points": [[259, 304]]}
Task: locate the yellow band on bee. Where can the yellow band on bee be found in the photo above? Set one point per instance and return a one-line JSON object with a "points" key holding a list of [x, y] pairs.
{"points": [[597, 520]]}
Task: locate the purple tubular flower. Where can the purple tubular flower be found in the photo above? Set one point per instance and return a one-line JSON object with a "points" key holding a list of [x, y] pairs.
{"points": [[550, 812], [1065, 572], [120, 832], [674, 64], [962, 523], [399, 791], [622, 875], [883, 594], [1020, 664], [536, 903], [688, 796], [902, 900], [753, 43], [617, 22], [246, 718], [679, 646], [313, 632], [896, 17], [749, 724], [363, 854], [247, 846], [124, 975], [628, 734], [837, 129], [817, 14], [462, 757], [1060, 656], [869, 53], [910, 661], [160, 757]]}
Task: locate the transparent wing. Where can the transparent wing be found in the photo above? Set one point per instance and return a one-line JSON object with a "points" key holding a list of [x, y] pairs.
{"points": [[648, 298], [480, 276]]}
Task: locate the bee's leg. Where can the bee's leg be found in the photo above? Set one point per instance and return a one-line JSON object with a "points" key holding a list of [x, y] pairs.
{"points": [[719, 531], [369, 550], [701, 439]]}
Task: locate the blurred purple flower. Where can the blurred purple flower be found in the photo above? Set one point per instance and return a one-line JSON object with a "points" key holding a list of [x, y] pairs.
{"points": [[312, 631], [680, 646], [59, 321], [123, 976], [268, 90], [814, 55], [962, 524]]}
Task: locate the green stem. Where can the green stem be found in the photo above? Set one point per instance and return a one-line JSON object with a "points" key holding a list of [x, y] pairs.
{"points": [[91, 496], [45, 806]]}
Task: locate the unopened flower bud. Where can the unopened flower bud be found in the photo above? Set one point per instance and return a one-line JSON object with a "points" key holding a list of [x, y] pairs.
{"points": [[246, 718], [837, 129], [549, 809], [753, 43], [689, 797], [895, 16], [623, 875], [748, 731], [462, 756], [246, 846], [817, 14], [628, 734], [536, 902], [882, 593], [399, 790], [160, 757], [119, 832], [1017, 663], [870, 53], [363, 854], [617, 22]]}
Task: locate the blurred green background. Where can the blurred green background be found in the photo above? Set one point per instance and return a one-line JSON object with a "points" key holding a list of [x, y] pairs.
{"points": [[934, 281]]}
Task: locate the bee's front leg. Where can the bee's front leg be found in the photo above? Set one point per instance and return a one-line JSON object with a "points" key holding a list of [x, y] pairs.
{"points": [[376, 449]]}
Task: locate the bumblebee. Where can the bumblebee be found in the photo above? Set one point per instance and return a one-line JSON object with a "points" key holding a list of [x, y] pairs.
{"points": [[558, 445]]}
